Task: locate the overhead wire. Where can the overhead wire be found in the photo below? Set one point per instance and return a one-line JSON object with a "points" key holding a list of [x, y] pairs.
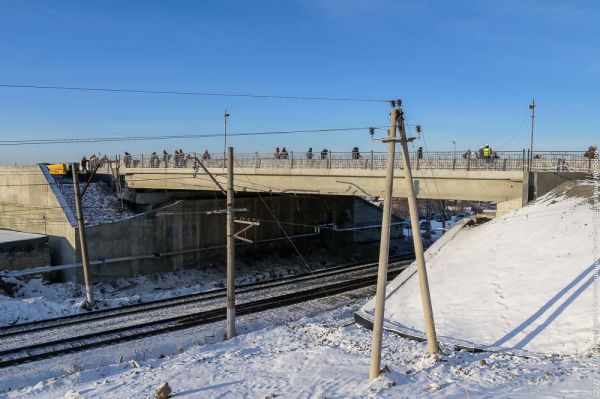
{"points": [[430, 168], [515, 133], [170, 137], [187, 93], [281, 227]]}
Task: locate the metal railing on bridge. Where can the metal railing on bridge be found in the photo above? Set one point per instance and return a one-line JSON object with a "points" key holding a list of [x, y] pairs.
{"points": [[561, 161]]}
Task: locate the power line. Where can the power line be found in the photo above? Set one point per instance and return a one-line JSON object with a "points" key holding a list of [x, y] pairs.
{"points": [[187, 93], [516, 131], [169, 137]]}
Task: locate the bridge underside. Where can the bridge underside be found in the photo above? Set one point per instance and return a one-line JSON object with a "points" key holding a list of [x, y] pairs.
{"points": [[498, 186]]}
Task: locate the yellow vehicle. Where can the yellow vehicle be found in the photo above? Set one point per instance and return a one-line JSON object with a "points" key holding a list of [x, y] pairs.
{"points": [[57, 169]]}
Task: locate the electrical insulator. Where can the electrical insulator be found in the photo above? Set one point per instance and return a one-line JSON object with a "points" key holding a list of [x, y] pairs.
{"points": [[372, 131], [418, 127]]}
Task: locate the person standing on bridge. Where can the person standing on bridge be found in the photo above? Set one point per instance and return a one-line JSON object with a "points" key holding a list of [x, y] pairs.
{"points": [[126, 159], [591, 152], [309, 153], [93, 160], [355, 153], [206, 155], [154, 161], [487, 152], [324, 152], [84, 165], [276, 155], [284, 153]]}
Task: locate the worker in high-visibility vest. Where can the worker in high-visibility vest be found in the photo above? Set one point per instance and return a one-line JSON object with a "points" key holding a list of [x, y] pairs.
{"points": [[487, 152]]}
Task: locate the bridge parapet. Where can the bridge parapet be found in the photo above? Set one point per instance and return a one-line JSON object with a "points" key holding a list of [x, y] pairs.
{"points": [[546, 161]]}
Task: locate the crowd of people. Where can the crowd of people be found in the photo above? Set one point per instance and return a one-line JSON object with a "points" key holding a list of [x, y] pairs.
{"points": [[89, 165], [485, 152], [283, 153], [180, 159]]}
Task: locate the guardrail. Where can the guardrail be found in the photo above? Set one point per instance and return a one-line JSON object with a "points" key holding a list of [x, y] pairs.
{"points": [[561, 161]]}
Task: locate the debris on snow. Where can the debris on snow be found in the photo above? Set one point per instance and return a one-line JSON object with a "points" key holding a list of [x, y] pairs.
{"points": [[163, 391], [434, 386]]}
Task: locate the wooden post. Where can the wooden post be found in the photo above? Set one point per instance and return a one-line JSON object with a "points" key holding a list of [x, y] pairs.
{"points": [[418, 243], [82, 239], [384, 248], [230, 249]]}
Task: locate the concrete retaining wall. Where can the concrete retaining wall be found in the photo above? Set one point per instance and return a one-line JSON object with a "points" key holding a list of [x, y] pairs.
{"points": [[185, 227], [544, 182], [29, 203], [20, 251]]}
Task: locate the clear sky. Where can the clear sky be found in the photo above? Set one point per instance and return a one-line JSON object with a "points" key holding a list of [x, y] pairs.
{"points": [[466, 71]]}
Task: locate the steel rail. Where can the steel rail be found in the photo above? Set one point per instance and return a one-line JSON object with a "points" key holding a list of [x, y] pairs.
{"points": [[62, 346], [62, 321]]}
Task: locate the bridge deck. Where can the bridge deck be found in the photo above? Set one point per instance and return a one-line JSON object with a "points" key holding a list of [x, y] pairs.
{"points": [[438, 175]]}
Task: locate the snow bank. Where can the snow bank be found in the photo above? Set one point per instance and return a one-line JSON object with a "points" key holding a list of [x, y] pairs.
{"points": [[521, 282]]}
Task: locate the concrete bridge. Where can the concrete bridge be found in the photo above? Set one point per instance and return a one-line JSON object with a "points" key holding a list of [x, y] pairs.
{"points": [[179, 197], [504, 179]]}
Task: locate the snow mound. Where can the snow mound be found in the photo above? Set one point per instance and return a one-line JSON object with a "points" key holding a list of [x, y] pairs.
{"points": [[522, 282]]}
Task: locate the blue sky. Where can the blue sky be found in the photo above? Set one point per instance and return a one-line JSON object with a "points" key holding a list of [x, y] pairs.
{"points": [[466, 71]]}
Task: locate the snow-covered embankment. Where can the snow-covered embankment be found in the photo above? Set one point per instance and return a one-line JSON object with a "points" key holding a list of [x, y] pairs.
{"points": [[523, 282]]}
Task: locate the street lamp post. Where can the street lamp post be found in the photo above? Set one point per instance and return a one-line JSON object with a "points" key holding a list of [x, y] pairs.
{"points": [[532, 108], [225, 116]]}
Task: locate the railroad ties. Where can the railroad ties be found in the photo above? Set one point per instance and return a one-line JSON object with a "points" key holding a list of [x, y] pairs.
{"points": [[290, 290]]}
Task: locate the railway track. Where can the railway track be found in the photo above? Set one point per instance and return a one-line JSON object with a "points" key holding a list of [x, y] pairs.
{"points": [[311, 286], [22, 328]]}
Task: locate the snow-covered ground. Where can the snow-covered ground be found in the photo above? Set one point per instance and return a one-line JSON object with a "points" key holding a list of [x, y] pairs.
{"points": [[519, 282], [323, 356], [35, 299]]}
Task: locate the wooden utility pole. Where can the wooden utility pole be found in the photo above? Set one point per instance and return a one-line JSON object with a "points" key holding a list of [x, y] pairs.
{"points": [[82, 239], [397, 121], [384, 249], [532, 108], [230, 248], [418, 243]]}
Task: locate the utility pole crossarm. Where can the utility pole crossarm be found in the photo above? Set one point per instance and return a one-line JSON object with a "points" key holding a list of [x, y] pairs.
{"points": [[249, 224]]}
